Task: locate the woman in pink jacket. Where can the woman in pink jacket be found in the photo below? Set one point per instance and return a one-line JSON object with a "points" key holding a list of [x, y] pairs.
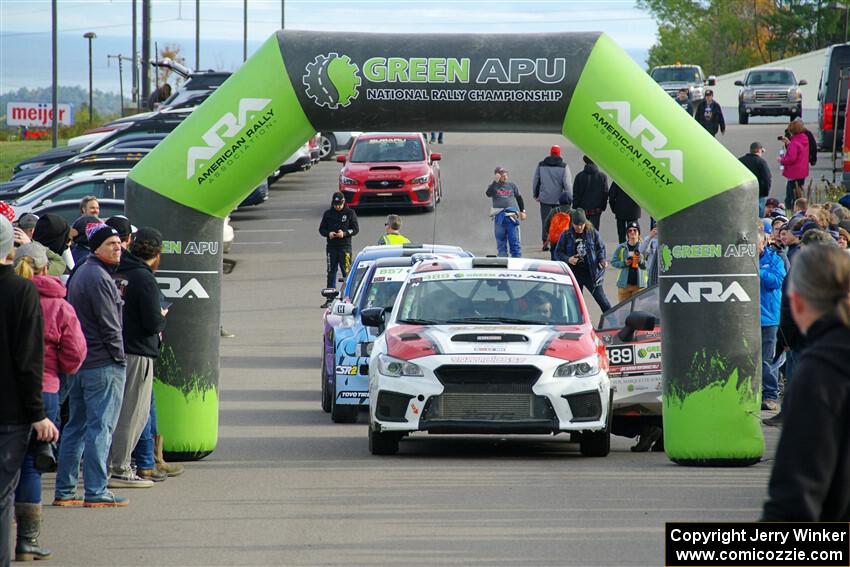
{"points": [[64, 352], [795, 162]]}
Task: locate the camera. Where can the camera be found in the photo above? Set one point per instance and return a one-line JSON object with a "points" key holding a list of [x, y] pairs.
{"points": [[780, 138]]}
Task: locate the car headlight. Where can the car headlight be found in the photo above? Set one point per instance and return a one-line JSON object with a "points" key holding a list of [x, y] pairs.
{"points": [[348, 181], [389, 366], [748, 95], [579, 368], [420, 180], [795, 95]]}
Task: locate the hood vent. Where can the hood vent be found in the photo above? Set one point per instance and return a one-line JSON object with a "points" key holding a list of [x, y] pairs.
{"points": [[385, 168], [489, 338]]}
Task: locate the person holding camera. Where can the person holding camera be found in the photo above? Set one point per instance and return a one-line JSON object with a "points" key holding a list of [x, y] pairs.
{"points": [[630, 261], [794, 161], [64, 352]]}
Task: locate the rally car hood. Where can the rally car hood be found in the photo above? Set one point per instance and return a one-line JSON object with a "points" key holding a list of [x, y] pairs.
{"points": [[572, 342], [386, 170]]}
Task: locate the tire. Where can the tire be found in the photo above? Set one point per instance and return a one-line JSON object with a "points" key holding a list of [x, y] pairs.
{"points": [[383, 443], [327, 147], [326, 393], [743, 118], [598, 443]]}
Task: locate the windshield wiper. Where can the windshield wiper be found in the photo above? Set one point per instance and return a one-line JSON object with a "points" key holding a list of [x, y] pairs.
{"points": [[418, 321], [495, 320]]}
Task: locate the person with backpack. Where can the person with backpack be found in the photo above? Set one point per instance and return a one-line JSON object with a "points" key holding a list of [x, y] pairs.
{"points": [[795, 162], [626, 210], [557, 222], [551, 180]]}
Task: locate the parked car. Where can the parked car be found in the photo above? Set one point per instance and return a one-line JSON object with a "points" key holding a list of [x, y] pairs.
{"points": [[671, 78], [332, 142], [384, 170], [62, 196], [488, 346], [832, 97], [769, 92]]}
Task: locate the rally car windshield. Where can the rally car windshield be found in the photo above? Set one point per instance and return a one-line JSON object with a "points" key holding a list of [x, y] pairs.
{"points": [[387, 149], [382, 294], [488, 301]]}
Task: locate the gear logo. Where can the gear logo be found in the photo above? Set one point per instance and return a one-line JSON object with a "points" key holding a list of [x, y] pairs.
{"points": [[332, 80]]}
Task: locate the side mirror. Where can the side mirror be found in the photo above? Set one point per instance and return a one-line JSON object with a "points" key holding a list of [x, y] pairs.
{"points": [[344, 309], [341, 158], [636, 321], [712, 81], [330, 293], [739, 83], [802, 82], [374, 317], [436, 157]]}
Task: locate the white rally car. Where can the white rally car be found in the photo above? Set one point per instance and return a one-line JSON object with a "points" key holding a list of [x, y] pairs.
{"points": [[488, 346]]}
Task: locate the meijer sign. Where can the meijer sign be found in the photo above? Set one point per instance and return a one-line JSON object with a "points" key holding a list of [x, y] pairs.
{"points": [[37, 114]]}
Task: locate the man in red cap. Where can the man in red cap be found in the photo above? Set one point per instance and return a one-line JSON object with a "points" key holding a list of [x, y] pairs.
{"points": [[551, 179]]}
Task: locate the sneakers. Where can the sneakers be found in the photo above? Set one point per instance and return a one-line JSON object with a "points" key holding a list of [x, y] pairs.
{"points": [[775, 421], [107, 500], [68, 502], [225, 334], [769, 405], [647, 437], [129, 480], [155, 475], [545, 247]]}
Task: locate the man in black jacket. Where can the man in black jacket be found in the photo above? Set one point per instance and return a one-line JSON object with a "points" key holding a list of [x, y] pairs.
{"points": [[144, 320], [624, 208], [590, 191], [710, 115], [552, 178], [339, 224], [21, 369], [756, 164]]}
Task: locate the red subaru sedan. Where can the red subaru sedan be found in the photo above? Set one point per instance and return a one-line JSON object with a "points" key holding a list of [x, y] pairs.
{"points": [[390, 170]]}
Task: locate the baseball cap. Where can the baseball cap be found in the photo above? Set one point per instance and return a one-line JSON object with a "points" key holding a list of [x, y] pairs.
{"points": [[500, 169], [772, 202], [27, 220], [148, 235], [338, 198], [555, 150], [634, 225], [121, 224]]}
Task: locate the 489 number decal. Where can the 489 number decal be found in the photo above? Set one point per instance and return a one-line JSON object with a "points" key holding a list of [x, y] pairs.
{"points": [[620, 355]]}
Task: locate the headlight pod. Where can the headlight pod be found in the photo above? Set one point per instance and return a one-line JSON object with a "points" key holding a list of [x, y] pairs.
{"points": [[748, 95], [795, 95], [348, 181], [579, 368], [389, 366], [420, 180]]}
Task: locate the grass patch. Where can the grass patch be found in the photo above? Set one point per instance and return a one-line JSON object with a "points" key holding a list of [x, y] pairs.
{"points": [[13, 152]]}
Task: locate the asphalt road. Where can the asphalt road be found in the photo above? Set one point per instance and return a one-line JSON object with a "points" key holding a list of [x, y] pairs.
{"points": [[288, 487]]}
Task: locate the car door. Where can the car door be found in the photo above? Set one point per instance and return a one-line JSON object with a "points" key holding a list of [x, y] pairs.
{"points": [[634, 365]]}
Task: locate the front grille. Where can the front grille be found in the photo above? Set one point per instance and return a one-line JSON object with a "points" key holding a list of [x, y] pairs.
{"points": [[586, 406], [487, 379], [486, 407], [392, 406], [397, 199], [767, 96], [385, 184]]}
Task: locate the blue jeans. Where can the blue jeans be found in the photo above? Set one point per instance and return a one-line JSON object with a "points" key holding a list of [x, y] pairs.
{"points": [[507, 234], [769, 377], [29, 486], [597, 291], [762, 205], [95, 396], [143, 453]]}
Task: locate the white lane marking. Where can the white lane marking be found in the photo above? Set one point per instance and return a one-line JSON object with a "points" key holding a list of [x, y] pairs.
{"points": [[256, 243], [712, 276], [265, 230], [186, 272]]}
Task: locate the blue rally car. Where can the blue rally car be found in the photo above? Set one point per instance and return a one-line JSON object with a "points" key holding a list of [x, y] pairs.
{"points": [[345, 371]]}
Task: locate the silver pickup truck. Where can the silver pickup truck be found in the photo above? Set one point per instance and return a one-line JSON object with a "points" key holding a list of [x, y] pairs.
{"points": [[671, 78], [769, 92]]}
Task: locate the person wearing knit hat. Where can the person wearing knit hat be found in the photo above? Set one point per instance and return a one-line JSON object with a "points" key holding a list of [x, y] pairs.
{"points": [[552, 179], [96, 390], [21, 370], [80, 248]]}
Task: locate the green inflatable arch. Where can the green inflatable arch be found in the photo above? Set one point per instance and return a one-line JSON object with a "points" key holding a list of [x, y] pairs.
{"points": [[579, 84]]}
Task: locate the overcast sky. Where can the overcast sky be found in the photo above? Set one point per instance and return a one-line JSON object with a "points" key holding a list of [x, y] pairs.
{"points": [[25, 27]]}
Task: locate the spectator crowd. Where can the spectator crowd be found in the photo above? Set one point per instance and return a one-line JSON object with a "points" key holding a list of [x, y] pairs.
{"points": [[82, 317]]}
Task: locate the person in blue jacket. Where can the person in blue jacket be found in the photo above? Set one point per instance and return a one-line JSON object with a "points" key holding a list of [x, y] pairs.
{"points": [[771, 275], [583, 249]]}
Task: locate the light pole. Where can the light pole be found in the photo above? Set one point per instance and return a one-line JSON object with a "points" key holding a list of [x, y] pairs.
{"points": [[90, 36]]}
